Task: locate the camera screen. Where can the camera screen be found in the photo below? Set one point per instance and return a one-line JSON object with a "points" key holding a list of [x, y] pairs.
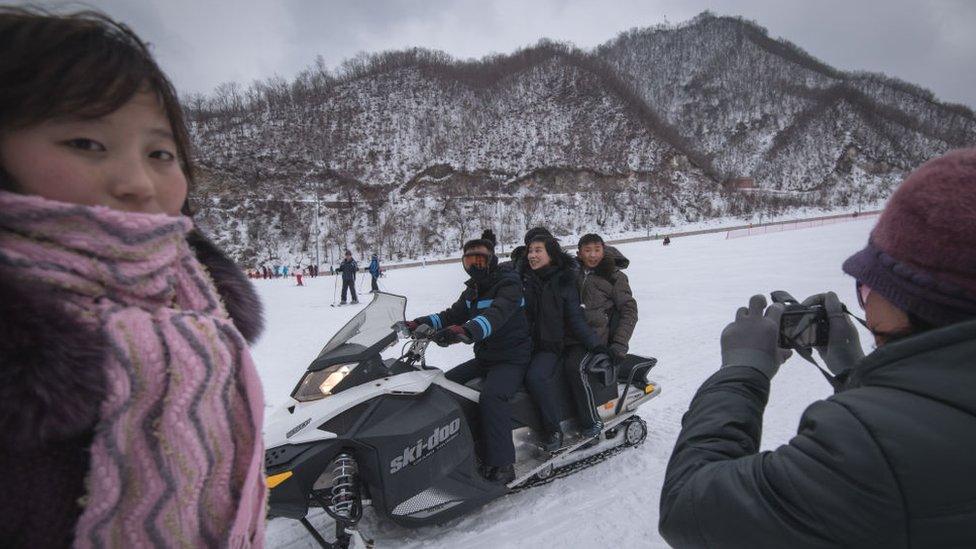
{"points": [[799, 329]]}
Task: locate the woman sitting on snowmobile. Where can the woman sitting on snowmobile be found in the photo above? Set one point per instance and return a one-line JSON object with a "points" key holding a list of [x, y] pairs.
{"points": [[553, 310], [490, 314]]}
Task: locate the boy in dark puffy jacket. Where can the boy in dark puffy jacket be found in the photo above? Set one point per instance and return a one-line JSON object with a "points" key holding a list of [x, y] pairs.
{"points": [[610, 310], [490, 313]]}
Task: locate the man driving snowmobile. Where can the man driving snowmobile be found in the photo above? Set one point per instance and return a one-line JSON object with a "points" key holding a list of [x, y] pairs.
{"points": [[490, 313]]}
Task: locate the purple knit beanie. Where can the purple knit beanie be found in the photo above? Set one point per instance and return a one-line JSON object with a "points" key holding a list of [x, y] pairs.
{"points": [[921, 255]]}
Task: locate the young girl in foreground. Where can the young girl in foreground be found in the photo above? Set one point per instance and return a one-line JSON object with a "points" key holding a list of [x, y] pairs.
{"points": [[130, 410]]}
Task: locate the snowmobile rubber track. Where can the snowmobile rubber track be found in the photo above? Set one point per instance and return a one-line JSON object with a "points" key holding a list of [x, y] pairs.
{"points": [[563, 472], [575, 467]]}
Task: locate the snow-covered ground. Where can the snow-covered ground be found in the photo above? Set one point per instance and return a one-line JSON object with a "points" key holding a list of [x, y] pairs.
{"points": [[687, 293]]}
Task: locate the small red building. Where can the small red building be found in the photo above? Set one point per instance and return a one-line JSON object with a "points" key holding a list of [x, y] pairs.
{"points": [[741, 184]]}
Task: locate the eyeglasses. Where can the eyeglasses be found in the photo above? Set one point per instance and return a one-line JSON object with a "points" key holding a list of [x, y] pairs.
{"points": [[478, 260], [863, 291]]}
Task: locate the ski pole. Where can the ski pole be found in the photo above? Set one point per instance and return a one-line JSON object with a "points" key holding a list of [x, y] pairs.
{"points": [[335, 289]]}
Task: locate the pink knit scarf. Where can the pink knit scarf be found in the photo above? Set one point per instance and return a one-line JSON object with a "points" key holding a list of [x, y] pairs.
{"points": [[177, 453]]}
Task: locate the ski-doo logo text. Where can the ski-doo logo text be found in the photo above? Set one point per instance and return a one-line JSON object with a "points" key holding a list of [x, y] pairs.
{"points": [[299, 427], [425, 447]]}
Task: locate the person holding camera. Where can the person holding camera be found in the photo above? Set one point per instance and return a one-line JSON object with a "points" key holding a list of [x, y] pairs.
{"points": [[888, 460]]}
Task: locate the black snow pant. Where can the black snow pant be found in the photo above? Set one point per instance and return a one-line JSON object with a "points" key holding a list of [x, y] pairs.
{"points": [[376, 286], [542, 382], [351, 286], [502, 381], [579, 384]]}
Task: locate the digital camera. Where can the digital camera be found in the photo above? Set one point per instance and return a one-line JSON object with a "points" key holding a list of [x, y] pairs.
{"points": [[801, 326]]}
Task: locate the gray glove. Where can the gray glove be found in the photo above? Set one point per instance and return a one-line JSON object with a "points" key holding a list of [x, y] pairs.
{"points": [[753, 339], [843, 348]]}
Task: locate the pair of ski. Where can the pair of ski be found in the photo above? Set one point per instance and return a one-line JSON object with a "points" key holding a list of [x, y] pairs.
{"points": [[344, 304]]}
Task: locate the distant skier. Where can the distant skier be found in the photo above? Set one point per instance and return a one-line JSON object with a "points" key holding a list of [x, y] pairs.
{"points": [[667, 240], [298, 276], [374, 272], [348, 269]]}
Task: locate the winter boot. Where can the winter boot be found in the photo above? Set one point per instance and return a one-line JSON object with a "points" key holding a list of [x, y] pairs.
{"points": [[553, 441], [500, 475], [592, 431]]}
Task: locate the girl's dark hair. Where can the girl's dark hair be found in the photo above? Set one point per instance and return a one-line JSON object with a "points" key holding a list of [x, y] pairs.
{"points": [[534, 232], [81, 64], [559, 258]]}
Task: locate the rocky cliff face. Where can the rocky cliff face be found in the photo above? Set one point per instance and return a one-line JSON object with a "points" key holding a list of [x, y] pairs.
{"points": [[408, 153]]}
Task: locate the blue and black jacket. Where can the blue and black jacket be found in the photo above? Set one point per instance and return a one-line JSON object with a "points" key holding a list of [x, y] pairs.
{"points": [[494, 314]]}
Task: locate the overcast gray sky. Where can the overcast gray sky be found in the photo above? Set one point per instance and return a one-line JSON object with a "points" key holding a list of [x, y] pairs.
{"points": [[201, 43]]}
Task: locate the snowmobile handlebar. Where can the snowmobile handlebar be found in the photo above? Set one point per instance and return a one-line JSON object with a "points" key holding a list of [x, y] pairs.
{"points": [[420, 337]]}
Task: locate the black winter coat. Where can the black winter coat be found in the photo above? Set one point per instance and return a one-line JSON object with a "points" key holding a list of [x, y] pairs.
{"points": [[888, 462], [348, 269], [51, 388], [494, 314], [553, 309]]}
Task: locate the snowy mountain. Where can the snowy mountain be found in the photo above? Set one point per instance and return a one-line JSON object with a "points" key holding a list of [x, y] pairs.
{"points": [[408, 153]]}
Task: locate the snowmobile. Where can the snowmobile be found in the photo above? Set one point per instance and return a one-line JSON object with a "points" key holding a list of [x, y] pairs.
{"points": [[393, 433]]}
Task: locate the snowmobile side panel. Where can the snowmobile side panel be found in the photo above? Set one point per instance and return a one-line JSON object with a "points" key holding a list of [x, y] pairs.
{"points": [[417, 459]]}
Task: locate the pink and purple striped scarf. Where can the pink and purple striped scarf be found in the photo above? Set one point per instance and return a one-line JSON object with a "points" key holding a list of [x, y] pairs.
{"points": [[177, 457]]}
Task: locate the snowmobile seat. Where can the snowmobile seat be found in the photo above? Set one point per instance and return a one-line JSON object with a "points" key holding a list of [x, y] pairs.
{"points": [[633, 370]]}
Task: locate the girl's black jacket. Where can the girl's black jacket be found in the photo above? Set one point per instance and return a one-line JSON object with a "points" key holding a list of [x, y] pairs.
{"points": [[553, 309]]}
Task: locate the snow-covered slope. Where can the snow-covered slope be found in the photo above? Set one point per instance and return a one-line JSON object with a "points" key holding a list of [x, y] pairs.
{"points": [[687, 293], [408, 153]]}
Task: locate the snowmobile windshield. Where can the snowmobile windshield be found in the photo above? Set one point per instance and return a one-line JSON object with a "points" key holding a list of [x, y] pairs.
{"points": [[370, 331]]}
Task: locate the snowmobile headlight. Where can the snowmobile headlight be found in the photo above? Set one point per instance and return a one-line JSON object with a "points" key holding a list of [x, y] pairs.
{"points": [[333, 379], [316, 385]]}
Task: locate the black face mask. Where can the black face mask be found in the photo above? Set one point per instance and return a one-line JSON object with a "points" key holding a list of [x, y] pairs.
{"points": [[478, 274]]}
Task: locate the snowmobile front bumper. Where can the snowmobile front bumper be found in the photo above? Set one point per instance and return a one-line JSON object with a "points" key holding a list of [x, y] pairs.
{"points": [[289, 493]]}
